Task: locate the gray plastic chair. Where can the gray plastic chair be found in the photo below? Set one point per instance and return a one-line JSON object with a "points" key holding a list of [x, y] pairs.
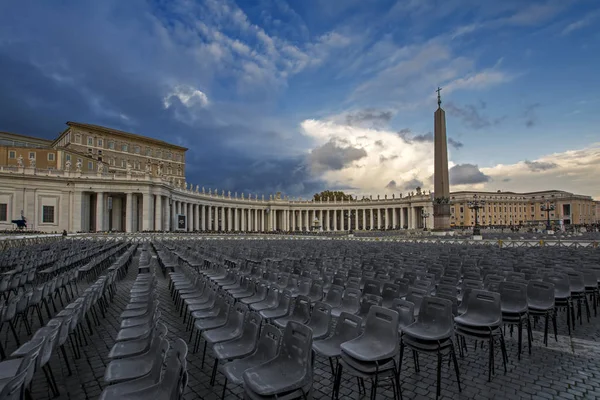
{"points": [[125, 369], [366, 303], [12, 388], [334, 296], [266, 349], [577, 284], [136, 347], [431, 333], [289, 372], [541, 303], [239, 347], [283, 307], [171, 386], [373, 353], [346, 328], [269, 302], [215, 322], [562, 293], [259, 295], [350, 303], [405, 310], [232, 329], [513, 297], [300, 313], [320, 320], [483, 321], [389, 293]]}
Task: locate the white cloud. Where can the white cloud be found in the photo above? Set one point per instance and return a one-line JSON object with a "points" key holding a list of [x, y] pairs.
{"points": [[373, 158], [374, 161], [572, 170], [188, 96], [582, 23]]}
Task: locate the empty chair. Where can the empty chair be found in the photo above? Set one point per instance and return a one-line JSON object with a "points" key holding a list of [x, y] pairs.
{"points": [[374, 352], [259, 295], [482, 321], [513, 298], [562, 293], [283, 307], [366, 302], [232, 329], [372, 286], [540, 303], [316, 291], [240, 347], [289, 373], [266, 349], [389, 293], [334, 296], [300, 313], [347, 328], [405, 310], [124, 369], [431, 333], [269, 302], [350, 303], [320, 320]]}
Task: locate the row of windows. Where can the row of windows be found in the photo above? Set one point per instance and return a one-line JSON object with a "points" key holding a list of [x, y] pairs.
{"points": [[13, 155], [112, 145], [47, 213]]}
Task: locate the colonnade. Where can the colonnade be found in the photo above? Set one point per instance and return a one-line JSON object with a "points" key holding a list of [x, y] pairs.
{"points": [[135, 211]]}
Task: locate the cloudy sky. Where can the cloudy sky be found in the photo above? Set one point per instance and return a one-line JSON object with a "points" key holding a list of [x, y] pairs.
{"points": [[304, 95]]}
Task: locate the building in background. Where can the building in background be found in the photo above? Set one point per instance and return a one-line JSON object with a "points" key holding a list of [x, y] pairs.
{"points": [[523, 209]]}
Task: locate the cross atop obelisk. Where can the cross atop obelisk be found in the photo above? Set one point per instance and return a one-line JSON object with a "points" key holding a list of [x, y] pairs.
{"points": [[441, 206]]}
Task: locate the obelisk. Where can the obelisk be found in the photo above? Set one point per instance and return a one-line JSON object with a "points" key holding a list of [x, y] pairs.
{"points": [[441, 182]]}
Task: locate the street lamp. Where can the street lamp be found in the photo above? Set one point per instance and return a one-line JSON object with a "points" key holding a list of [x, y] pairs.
{"points": [[547, 208], [476, 204], [424, 215]]}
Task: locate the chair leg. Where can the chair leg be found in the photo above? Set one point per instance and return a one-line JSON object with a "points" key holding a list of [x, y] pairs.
{"points": [[214, 372], [224, 389], [503, 350], [439, 374], [12, 328], [546, 331], [569, 316], [491, 356], [455, 361], [520, 339], [64, 354]]}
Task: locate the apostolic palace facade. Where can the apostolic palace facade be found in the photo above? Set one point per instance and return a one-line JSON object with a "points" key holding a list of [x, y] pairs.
{"points": [[93, 178]]}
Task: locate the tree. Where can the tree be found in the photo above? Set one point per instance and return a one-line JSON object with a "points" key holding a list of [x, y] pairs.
{"points": [[329, 194]]}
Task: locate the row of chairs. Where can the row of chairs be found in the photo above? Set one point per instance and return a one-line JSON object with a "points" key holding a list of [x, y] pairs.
{"points": [[136, 368], [16, 373]]}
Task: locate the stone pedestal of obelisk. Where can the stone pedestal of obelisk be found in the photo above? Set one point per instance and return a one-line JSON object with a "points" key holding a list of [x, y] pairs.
{"points": [[441, 184]]}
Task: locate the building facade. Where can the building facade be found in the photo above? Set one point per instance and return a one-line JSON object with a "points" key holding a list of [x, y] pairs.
{"points": [[93, 178], [522, 209]]}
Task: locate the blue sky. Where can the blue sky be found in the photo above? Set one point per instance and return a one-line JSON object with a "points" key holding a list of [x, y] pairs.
{"points": [[304, 95]]}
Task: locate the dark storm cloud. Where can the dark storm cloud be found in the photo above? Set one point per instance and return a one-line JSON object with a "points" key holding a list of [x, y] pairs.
{"points": [[369, 117], [410, 185], [530, 115], [455, 143], [331, 156], [537, 166], [467, 174], [116, 71], [472, 115]]}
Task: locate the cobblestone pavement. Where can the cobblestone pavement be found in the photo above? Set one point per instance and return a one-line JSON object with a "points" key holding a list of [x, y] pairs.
{"points": [[567, 369]]}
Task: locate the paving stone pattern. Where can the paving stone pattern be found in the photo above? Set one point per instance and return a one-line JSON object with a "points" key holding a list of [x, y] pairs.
{"points": [[567, 369]]}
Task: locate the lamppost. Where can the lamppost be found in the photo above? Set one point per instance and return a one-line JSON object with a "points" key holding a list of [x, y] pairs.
{"points": [[547, 208], [475, 205], [424, 215]]}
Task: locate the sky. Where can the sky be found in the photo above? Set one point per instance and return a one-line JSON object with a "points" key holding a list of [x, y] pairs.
{"points": [[300, 96]]}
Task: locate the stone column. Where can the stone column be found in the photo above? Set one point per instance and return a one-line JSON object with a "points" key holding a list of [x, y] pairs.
{"points": [[148, 216], [209, 223], [236, 224], [364, 219], [197, 215], [394, 218], [158, 213], [378, 218], [99, 211], [356, 219], [349, 220], [223, 226], [129, 213], [371, 219]]}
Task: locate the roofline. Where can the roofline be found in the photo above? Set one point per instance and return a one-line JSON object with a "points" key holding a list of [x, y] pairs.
{"points": [[49, 141], [508, 192], [119, 132]]}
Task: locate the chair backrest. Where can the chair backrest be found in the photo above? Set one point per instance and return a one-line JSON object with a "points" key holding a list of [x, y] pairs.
{"points": [[14, 388], [367, 302], [372, 287], [316, 288], [513, 294], [30, 360], [297, 345], [351, 297], [381, 324], [268, 343], [348, 326], [436, 311], [302, 308], [321, 315], [334, 295], [541, 292], [389, 291], [450, 290], [405, 310]]}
